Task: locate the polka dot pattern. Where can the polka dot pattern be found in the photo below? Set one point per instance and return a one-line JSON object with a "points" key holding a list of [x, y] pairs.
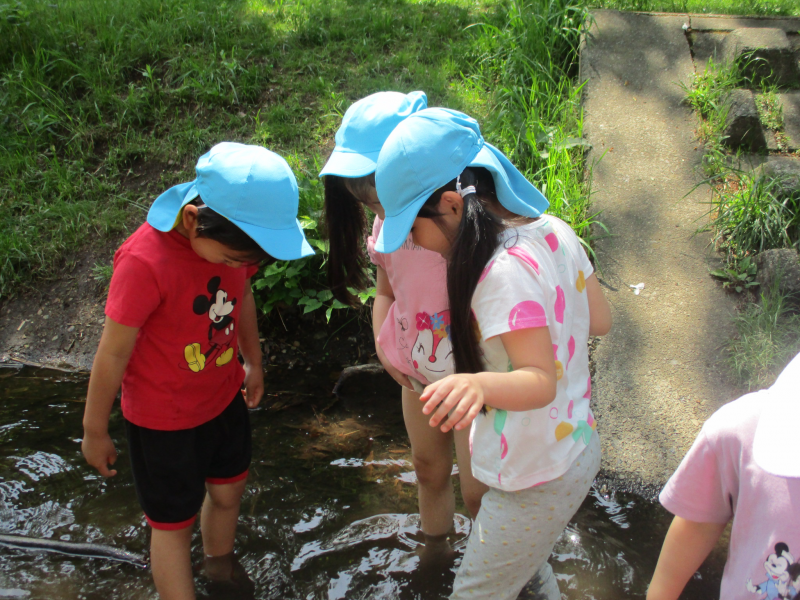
{"points": [[514, 547], [525, 257], [560, 304], [526, 315]]}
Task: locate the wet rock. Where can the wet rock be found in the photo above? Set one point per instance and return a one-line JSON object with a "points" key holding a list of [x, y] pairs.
{"points": [[764, 55], [780, 267], [743, 126], [785, 172]]}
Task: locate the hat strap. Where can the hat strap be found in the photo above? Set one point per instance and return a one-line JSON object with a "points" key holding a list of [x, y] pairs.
{"points": [[465, 191]]}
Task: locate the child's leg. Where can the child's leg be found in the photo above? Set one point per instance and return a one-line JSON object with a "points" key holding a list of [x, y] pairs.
{"points": [[472, 490], [515, 532], [432, 454], [226, 479], [218, 518], [171, 563]]}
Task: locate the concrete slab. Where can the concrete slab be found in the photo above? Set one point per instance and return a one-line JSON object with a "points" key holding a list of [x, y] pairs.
{"points": [[659, 373], [728, 23]]}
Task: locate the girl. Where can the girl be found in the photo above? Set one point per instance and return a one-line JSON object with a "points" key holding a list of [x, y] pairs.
{"points": [[742, 469], [523, 301], [409, 313]]}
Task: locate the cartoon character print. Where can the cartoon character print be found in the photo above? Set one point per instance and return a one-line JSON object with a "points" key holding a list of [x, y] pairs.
{"points": [[218, 308], [431, 351], [779, 584]]}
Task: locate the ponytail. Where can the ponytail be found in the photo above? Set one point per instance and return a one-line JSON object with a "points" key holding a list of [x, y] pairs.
{"points": [[472, 247], [345, 227]]}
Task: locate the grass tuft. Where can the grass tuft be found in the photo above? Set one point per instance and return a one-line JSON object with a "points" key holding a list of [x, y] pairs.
{"points": [[768, 338]]}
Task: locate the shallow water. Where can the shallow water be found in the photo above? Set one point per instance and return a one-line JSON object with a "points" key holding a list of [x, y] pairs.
{"points": [[329, 511]]}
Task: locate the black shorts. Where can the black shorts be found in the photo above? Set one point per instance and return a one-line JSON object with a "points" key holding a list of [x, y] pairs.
{"points": [[171, 468]]}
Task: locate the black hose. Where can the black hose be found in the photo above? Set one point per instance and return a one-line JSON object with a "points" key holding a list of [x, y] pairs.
{"points": [[73, 549]]}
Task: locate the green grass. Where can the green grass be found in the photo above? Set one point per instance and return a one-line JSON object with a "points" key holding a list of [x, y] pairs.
{"points": [[105, 103], [722, 7], [768, 338]]}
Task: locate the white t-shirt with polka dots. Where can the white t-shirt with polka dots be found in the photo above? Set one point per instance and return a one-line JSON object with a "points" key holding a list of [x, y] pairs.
{"points": [[536, 278]]}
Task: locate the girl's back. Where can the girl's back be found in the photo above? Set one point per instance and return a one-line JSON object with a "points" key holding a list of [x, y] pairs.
{"points": [[536, 278]]}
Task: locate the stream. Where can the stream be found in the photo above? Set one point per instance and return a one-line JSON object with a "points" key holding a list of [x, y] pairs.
{"points": [[329, 511]]}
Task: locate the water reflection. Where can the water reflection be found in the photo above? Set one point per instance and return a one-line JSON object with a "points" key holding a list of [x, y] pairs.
{"points": [[327, 513]]}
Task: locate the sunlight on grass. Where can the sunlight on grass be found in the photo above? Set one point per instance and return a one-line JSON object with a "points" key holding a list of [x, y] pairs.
{"points": [[106, 103]]}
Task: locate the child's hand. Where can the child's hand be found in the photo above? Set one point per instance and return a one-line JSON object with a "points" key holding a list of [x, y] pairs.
{"points": [[462, 394], [396, 374], [253, 385], [99, 452]]}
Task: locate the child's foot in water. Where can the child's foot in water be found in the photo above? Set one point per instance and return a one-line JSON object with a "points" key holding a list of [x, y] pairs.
{"points": [[226, 578], [435, 552]]}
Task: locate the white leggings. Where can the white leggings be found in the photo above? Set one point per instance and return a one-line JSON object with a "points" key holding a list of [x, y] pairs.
{"points": [[514, 534]]}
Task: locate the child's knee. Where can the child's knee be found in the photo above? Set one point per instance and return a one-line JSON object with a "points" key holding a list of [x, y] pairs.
{"points": [[227, 496], [432, 472], [472, 499]]}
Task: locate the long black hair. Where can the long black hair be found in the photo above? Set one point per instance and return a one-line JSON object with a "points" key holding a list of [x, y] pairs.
{"points": [[345, 227], [472, 246]]}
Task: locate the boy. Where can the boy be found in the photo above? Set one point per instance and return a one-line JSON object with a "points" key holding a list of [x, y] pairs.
{"points": [[179, 309], [742, 466]]}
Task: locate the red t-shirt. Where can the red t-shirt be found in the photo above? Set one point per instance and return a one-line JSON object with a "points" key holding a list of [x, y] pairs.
{"points": [[184, 369]]}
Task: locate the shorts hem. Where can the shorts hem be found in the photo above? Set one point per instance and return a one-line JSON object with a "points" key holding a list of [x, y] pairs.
{"points": [[171, 526], [225, 480]]}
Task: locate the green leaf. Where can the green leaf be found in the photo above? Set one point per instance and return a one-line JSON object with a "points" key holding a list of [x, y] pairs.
{"points": [[319, 245], [312, 305], [308, 223]]}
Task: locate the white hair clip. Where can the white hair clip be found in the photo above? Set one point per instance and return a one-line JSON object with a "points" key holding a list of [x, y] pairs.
{"points": [[467, 190]]}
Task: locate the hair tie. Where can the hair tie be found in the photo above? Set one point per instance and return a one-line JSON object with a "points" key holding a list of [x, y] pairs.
{"points": [[467, 190]]}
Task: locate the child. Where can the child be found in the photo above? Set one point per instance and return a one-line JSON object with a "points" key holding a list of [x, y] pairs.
{"points": [[743, 467], [410, 308], [179, 309], [523, 301]]}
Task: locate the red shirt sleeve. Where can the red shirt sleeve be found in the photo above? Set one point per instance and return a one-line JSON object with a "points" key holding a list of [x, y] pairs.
{"points": [[251, 270], [133, 293]]}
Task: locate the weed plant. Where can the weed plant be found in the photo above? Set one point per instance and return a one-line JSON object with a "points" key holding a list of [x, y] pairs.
{"points": [[768, 338], [752, 216]]}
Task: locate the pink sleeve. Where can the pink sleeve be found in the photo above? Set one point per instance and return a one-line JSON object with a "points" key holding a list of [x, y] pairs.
{"points": [[133, 293], [697, 491], [377, 258]]}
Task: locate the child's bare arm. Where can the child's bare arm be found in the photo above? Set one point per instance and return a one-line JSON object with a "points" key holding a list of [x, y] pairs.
{"points": [[686, 546], [384, 297], [532, 383], [250, 348], [599, 310], [113, 353]]}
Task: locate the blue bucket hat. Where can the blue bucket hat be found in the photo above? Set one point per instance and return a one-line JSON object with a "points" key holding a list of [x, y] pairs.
{"points": [[430, 148], [365, 126], [250, 186]]}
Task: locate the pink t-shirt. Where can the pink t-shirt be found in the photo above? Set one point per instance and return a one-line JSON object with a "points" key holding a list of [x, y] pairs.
{"points": [[719, 480], [415, 334]]}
